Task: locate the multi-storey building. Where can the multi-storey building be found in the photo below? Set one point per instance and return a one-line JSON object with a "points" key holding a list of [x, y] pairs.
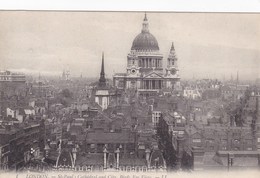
{"points": [[12, 84], [202, 144], [4, 156], [7, 76], [19, 144]]}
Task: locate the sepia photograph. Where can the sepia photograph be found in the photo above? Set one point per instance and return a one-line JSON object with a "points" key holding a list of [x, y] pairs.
{"points": [[140, 93]]}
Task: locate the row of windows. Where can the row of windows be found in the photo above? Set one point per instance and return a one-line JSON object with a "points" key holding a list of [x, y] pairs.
{"points": [[5, 78]]}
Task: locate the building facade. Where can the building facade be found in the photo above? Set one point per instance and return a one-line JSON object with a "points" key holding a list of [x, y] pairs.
{"points": [[12, 84], [145, 72]]}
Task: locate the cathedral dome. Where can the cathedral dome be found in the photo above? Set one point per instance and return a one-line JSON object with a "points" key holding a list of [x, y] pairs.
{"points": [[145, 40]]}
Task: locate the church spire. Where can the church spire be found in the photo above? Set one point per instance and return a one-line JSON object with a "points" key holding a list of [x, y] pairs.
{"points": [[172, 48], [145, 24], [102, 79]]}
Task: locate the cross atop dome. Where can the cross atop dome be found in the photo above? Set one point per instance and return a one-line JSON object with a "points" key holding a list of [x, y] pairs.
{"points": [[145, 25], [145, 17]]}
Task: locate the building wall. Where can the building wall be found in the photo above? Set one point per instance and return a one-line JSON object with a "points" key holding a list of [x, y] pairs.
{"points": [[103, 101], [4, 156], [215, 139], [155, 117]]}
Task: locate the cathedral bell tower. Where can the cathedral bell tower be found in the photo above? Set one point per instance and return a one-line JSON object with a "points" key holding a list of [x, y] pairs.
{"points": [[172, 67]]}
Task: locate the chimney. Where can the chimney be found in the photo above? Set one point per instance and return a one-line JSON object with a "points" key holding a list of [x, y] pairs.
{"points": [[147, 157], [74, 155], [105, 157], [180, 141], [117, 158]]}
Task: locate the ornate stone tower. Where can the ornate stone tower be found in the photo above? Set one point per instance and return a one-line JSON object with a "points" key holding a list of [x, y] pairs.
{"points": [[172, 66]]}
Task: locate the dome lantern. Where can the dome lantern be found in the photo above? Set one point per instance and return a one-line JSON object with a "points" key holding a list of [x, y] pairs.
{"points": [[145, 25], [145, 41]]}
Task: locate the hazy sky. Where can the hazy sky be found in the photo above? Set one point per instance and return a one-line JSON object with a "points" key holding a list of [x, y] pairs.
{"points": [[207, 44]]}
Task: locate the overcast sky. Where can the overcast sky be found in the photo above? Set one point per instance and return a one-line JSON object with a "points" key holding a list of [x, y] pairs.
{"points": [[207, 44]]}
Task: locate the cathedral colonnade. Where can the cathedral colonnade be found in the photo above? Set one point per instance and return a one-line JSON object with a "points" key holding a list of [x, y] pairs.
{"points": [[150, 62], [152, 84]]}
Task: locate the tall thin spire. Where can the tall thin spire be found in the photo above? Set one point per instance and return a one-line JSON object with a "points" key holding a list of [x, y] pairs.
{"points": [[102, 65], [145, 24], [172, 47], [102, 79]]}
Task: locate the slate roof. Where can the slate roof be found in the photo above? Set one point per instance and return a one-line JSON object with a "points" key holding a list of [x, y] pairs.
{"points": [[109, 137]]}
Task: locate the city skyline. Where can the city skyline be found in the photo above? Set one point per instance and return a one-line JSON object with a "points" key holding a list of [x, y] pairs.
{"points": [[206, 43], [183, 96]]}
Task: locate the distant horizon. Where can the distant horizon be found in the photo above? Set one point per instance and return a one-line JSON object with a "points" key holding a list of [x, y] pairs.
{"points": [[208, 45], [36, 75]]}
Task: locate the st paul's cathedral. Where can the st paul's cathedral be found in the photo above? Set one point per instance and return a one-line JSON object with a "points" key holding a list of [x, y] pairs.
{"points": [[145, 73]]}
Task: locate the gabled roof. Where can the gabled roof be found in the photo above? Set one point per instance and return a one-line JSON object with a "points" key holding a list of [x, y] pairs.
{"points": [[153, 75], [109, 137]]}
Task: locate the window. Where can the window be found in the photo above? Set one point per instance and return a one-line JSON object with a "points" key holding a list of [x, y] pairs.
{"points": [[196, 140], [224, 141], [178, 120], [210, 140], [181, 132], [236, 141]]}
